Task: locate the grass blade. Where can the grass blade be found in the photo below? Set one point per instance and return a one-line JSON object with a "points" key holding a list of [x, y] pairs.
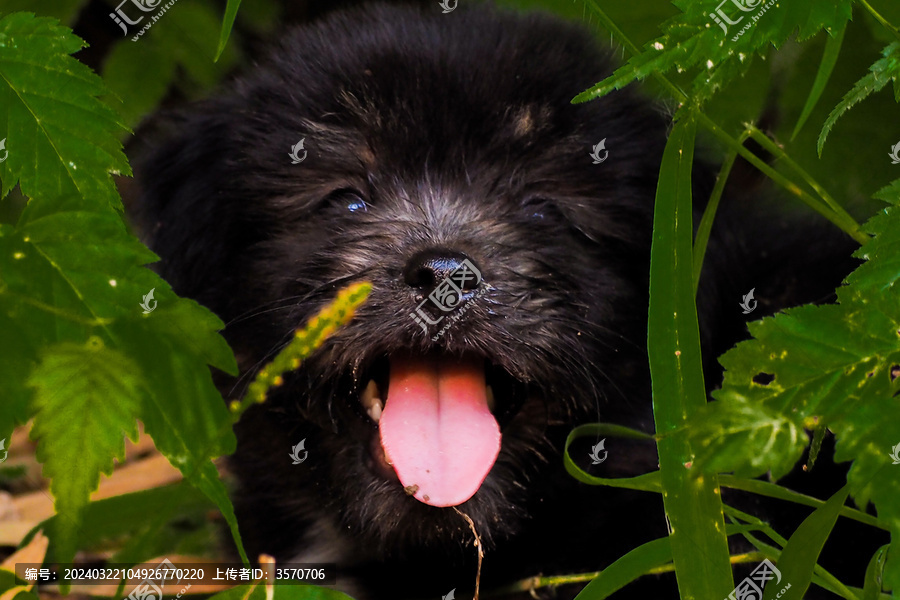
{"points": [[628, 568], [231, 11], [764, 488], [692, 504], [798, 559], [829, 59], [873, 581]]}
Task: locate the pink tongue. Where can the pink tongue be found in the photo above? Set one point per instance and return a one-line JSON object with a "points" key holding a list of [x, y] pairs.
{"points": [[436, 428]]}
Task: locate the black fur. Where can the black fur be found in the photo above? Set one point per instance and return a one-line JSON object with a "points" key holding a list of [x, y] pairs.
{"points": [[458, 134]]}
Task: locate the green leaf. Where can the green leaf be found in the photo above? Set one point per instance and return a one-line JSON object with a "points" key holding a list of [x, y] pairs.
{"points": [[623, 571], [139, 515], [882, 72], [799, 557], [231, 11], [78, 429], [61, 139], [829, 59], [748, 426], [693, 505], [184, 413], [828, 366], [874, 575], [693, 39], [70, 272]]}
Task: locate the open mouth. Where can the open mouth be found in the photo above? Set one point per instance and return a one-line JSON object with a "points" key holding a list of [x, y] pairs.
{"points": [[439, 421]]}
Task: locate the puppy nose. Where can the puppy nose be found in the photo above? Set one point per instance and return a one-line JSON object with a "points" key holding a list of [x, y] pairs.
{"points": [[426, 269]]}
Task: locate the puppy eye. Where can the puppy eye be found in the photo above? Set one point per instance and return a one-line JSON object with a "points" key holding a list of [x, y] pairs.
{"points": [[357, 205], [348, 199], [539, 208]]}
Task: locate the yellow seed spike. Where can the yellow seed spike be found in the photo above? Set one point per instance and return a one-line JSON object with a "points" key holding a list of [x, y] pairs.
{"points": [[331, 317]]}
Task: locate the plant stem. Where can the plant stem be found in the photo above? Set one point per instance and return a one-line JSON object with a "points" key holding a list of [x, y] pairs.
{"points": [[881, 19], [780, 154], [850, 227], [532, 583], [764, 488]]}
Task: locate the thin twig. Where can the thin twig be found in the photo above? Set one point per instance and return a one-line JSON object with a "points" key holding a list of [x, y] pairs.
{"points": [[477, 545]]}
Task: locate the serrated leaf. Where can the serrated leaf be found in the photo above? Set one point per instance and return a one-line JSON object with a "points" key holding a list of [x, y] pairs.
{"points": [[43, 94], [70, 272], [830, 366], [881, 73], [694, 38], [78, 429], [185, 415], [747, 426]]}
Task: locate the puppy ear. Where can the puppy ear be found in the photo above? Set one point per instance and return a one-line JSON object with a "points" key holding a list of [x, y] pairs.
{"points": [[187, 208]]}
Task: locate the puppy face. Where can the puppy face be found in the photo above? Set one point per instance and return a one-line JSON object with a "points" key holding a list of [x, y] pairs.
{"points": [[438, 148]]}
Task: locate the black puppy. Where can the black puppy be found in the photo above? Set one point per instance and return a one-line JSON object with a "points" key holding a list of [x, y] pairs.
{"points": [[443, 161]]}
